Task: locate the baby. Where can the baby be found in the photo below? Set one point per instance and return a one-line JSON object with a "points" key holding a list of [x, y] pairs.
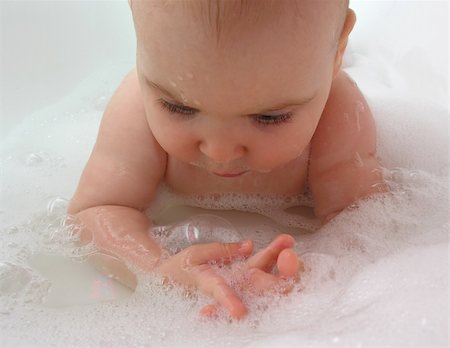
{"points": [[227, 96]]}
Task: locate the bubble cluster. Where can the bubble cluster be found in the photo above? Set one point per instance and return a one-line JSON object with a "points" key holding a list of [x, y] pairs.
{"points": [[376, 275], [276, 207], [364, 259], [198, 229]]}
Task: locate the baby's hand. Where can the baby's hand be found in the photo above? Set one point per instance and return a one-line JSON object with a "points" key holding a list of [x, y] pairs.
{"points": [[259, 278], [278, 253], [190, 267]]}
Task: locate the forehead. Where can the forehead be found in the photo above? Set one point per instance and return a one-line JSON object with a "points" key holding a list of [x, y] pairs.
{"points": [[254, 54], [223, 20]]}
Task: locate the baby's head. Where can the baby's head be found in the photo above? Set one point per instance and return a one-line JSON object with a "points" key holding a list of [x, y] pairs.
{"points": [[234, 85]]}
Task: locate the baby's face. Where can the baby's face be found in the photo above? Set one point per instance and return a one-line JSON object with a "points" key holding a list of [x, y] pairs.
{"points": [[239, 94]]}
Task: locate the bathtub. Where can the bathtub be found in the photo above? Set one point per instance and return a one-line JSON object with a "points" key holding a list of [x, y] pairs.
{"points": [[377, 275]]}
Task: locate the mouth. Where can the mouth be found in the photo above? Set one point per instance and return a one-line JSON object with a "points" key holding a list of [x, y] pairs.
{"points": [[230, 175]]}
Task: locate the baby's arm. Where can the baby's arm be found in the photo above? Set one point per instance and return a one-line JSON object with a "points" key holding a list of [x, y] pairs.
{"points": [[119, 182], [343, 165]]}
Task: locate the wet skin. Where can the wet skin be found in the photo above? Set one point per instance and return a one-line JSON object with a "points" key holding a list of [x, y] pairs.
{"points": [[267, 109]]}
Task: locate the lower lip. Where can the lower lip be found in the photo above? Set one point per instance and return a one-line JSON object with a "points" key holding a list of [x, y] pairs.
{"points": [[229, 175]]}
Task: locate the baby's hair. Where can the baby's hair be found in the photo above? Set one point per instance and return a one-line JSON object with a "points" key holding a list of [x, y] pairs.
{"points": [[220, 16]]}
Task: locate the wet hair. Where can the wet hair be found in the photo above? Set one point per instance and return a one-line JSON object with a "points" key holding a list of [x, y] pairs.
{"points": [[220, 16], [220, 13]]}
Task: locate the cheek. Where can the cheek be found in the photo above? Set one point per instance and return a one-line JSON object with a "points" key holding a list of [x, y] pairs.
{"points": [[172, 135], [287, 143], [281, 149]]}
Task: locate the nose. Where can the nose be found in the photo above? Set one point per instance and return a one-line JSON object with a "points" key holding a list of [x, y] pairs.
{"points": [[222, 148]]}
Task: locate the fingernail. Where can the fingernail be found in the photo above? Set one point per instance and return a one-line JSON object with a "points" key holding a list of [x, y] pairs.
{"points": [[209, 311], [243, 246]]}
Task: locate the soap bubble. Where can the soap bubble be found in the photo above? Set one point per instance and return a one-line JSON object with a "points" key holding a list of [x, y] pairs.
{"points": [[36, 159], [57, 205], [199, 229]]}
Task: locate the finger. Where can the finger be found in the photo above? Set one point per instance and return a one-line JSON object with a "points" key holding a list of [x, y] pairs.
{"points": [[209, 311], [261, 282], [289, 265], [213, 285], [267, 258], [223, 252]]}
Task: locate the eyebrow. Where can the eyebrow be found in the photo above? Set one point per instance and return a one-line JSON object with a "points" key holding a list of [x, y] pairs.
{"points": [[296, 102], [162, 89]]}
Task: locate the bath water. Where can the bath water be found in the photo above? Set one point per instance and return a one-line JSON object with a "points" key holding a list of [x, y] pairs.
{"points": [[376, 275]]}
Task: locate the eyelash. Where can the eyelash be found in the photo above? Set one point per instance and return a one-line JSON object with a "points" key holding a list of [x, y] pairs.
{"points": [[261, 120], [267, 120], [175, 109]]}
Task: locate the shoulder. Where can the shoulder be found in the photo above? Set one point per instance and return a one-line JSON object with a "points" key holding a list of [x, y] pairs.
{"points": [[124, 132], [343, 165], [126, 163], [346, 126]]}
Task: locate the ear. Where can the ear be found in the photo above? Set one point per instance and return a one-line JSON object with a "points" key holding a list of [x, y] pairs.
{"points": [[350, 21]]}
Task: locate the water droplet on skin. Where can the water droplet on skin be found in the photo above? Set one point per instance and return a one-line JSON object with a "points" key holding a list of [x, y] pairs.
{"points": [[180, 78], [121, 170], [358, 159], [196, 102], [358, 125], [190, 75], [183, 98], [173, 84], [359, 107]]}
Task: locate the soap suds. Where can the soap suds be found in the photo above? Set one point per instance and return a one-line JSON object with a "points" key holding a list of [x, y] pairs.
{"points": [[376, 275]]}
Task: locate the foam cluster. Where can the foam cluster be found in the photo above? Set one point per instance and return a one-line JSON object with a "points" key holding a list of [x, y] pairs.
{"points": [[376, 275]]}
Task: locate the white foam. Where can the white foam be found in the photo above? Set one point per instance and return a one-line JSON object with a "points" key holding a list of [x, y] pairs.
{"points": [[376, 275]]}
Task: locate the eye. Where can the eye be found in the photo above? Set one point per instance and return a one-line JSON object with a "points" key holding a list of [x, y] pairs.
{"points": [[267, 120], [176, 109]]}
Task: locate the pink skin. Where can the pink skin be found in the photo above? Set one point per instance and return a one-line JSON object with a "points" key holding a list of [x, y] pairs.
{"points": [[260, 279], [182, 64], [191, 267], [270, 63]]}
